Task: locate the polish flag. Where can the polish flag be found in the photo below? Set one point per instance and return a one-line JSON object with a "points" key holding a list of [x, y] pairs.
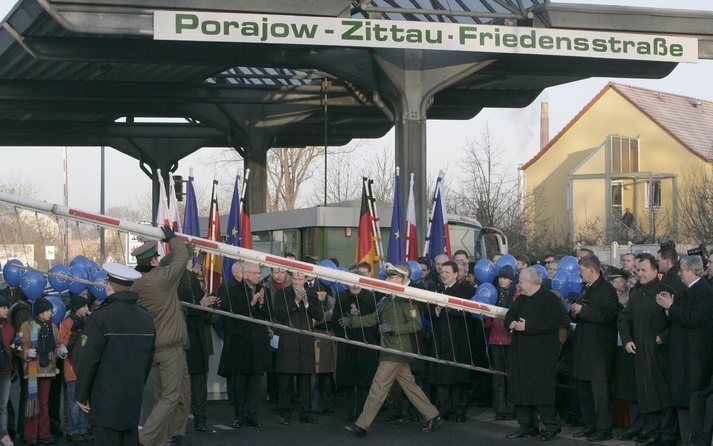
{"points": [[411, 234]]}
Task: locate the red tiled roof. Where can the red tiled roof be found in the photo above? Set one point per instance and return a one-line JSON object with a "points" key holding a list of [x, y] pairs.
{"points": [[688, 120]]}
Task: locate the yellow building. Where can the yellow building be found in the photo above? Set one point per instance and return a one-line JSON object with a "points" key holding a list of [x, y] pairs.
{"points": [[620, 168]]}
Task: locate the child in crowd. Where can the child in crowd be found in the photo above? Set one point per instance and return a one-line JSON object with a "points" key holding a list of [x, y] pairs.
{"points": [[70, 332], [39, 348], [8, 333]]}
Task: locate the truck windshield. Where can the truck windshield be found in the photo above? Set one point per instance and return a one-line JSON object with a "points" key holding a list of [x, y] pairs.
{"points": [[467, 237]]}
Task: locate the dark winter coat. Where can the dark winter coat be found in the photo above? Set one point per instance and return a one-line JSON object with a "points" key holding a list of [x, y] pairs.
{"points": [[114, 361], [199, 325], [451, 339], [246, 347], [534, 351], [641, 321], [690, 343], [295, 352], [672, 279], [596, 334], [355, 365]]}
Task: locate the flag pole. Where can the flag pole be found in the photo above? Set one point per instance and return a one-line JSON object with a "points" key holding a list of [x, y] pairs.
{"points": [[211, 236], [375, 226], [408, 226], [431, 214]]}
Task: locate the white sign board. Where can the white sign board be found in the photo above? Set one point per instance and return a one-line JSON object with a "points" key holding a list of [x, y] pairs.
{"points": [[49, 252], [369, 33], [132, 242]]}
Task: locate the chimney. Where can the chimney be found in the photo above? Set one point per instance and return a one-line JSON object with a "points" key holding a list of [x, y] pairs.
{"points": [[544, 125]]}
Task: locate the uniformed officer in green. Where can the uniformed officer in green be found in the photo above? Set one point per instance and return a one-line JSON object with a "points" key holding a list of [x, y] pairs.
{"points": [[397, 319]]}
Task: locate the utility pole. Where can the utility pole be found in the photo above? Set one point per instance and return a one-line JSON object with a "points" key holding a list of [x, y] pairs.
{"points": [[102, 203]]}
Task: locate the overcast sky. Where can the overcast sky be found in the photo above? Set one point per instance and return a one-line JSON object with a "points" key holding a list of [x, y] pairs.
{"points": [[515, 131]]}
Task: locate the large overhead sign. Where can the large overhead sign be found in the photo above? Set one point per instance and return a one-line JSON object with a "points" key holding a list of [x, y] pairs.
{"points": [[327, 31]]}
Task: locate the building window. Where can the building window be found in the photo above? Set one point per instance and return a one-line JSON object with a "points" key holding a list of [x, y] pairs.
{"points": [[624, 154], [652, 194]]}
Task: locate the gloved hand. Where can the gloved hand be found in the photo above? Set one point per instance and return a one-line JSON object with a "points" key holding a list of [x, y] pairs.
{"points": [[345, 322], [31, 353], [168, 233], [62, 351], [385, 328]]}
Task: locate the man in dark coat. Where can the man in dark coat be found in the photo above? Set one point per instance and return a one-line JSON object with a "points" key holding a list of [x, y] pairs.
{"points": [[690, 351], [451, 343], [534, 320], [595, 310], [246, 351], [293, 307], [668, 266], [355, 365], [114, 361], [200, 340], [643, 327]]}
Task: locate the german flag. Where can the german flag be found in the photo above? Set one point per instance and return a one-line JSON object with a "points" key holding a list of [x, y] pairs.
{"points": [[213, 262], [365, 251]]}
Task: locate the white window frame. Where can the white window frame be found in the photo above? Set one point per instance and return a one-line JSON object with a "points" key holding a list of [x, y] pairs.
{"points": [[638, 153], [646, 194]]}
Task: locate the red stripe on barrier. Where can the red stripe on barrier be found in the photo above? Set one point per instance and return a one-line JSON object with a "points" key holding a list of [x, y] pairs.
{"points": [[198, 242], [290, 263], [468, 303], [380, 284], [99, 218]]}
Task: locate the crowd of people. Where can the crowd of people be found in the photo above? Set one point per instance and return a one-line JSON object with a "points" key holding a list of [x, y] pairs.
{"points": [[632, 348]]}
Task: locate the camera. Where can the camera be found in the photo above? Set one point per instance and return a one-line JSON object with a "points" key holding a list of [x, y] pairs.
{"points": [[669, 244]]}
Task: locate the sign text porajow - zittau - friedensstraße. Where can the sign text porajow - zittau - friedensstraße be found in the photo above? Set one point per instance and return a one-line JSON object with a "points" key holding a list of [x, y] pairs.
{"points": [[349, 32]]}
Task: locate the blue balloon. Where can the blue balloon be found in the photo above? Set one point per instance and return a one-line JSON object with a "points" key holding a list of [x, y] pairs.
{"points": [[340, 287], [382, 274], [59, 284], [98, 291], [487, 294], [568, 263], [507, 259], [80, 261], [33, 284], [92, 268], [13, 275], [559, 281], [78, 272], [484, 271], [573, 284], [541, 269], [416, 273], [327, 264], [58, 309]]}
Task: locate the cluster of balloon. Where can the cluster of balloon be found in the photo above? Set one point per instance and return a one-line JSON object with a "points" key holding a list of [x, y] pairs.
{"points": [[567, 280], [327, 264], [11, 272], [484, 271], [416, 273], [59, 284], [33, 284], [98, 291], [486, 293], [58, 309]]}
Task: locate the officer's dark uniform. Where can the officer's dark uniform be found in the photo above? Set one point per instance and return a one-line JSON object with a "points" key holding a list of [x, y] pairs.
{"points": [[114, 362]]}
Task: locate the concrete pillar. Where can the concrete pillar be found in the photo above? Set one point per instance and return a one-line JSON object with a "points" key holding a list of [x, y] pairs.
{"points": [[411, 79], [255, 159]]}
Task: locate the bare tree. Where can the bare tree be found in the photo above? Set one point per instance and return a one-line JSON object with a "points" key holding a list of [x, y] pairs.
{"points": [[343, 180], [696, 205], [380, 168], [288, 171]]}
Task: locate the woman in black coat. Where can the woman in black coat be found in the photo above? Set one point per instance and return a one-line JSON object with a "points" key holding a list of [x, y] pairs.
{"points": [[355, 365], [295, 306]]}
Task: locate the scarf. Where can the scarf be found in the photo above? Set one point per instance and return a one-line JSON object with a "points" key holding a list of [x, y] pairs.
{"points": [[42, 340], [276, 285]]}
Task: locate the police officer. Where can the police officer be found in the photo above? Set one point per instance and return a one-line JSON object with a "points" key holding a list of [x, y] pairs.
{"points": [[115, 360], [397, 319]]}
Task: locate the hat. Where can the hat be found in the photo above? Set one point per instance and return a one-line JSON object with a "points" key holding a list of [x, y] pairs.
{"points": [[615, 272], [76, 302], [506, 272], [120, 274], [391, 270], [40, 306], [145, 251], [4, 302]]}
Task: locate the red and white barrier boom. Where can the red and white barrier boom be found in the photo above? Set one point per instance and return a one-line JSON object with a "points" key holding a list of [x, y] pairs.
{"points": [[250, 255]]}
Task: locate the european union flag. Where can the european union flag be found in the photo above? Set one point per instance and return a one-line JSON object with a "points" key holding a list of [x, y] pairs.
{"points": [[437, 238], [233, 230], [396, 250]]}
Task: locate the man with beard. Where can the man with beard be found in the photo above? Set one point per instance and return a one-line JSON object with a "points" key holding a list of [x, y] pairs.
{"points": [[643, 327], [534, 320], [246, 354], [690, 355], [595, 311], [450, 342]]}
